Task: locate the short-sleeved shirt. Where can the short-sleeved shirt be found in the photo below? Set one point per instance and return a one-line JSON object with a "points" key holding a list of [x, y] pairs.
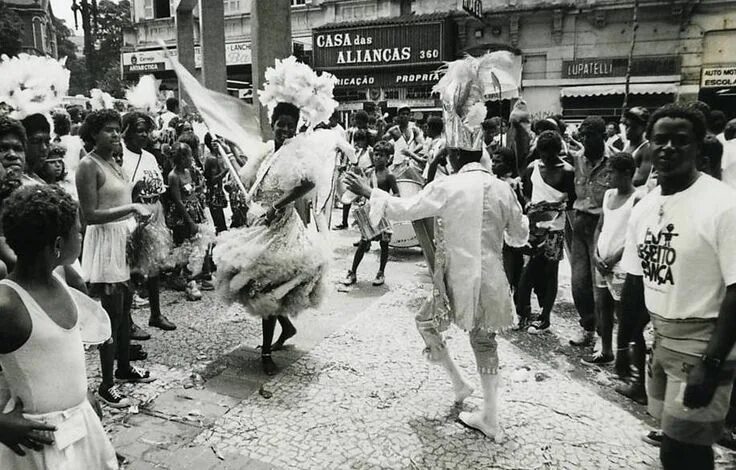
{"points": [[136, 166], [684, 247], [591, 184]]}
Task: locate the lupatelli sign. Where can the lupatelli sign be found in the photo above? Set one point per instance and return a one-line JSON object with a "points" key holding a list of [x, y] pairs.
{"points": [[370, 46]]}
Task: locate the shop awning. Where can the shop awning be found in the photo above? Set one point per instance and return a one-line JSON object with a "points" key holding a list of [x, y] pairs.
{"points": [[619, 89]]}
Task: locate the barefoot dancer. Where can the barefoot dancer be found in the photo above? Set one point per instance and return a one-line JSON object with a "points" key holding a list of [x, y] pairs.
{"points": [[275, 266]]}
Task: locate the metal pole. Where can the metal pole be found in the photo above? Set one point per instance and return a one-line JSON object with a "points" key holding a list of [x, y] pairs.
{"points": [[635, 28]]}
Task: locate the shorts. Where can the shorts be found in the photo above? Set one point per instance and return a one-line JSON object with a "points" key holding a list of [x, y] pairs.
{"points": [[548, 243], [614, 282], [384, 236], [665, 383]]}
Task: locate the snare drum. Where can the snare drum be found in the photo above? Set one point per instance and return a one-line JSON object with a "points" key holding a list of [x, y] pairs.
{"points": [[368, 231], [404, 234]]}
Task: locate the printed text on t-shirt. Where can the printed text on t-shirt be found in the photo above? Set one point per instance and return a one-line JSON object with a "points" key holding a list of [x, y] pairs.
{"points": [[657, 255]]}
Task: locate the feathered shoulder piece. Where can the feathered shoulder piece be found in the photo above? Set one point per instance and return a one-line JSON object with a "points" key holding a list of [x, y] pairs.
{"points": [[293, 82], [32, 84]]}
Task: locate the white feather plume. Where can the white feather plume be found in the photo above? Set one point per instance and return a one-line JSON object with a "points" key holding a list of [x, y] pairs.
{"points": [[293, 82], [101, 99], [144, 95], [32, 84]]}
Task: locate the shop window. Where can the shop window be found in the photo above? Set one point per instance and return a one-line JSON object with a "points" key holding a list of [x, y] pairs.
{"points": [[391, 94], [419, 93], [534, 67], [349, 95]]}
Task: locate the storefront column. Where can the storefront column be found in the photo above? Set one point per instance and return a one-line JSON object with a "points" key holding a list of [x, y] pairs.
{"points": [[185, 40], [270, 40], [212, 27]]}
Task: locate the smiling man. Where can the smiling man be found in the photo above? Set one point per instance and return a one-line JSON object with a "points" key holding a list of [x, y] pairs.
{"points": [[681, 263], [12, 145]]}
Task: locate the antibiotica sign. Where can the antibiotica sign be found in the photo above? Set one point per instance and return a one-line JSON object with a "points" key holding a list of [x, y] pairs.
{"points": [[371, 46]]}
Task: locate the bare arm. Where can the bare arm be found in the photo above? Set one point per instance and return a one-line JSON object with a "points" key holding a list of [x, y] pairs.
{"points": [[87, 186], [724, 337], [394, 186], [643, 170]]}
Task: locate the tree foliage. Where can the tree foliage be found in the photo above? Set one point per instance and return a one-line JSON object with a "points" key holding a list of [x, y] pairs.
{"points": [[11, 31], [112, 20]]}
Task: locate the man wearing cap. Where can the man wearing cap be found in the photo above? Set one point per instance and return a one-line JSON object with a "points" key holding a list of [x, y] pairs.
{"points": [[635, 122], [591, 183], [407, 139]]}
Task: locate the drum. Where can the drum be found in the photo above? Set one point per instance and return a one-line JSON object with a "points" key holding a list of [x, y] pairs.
{"points": [[404, 235], [368, 231]]}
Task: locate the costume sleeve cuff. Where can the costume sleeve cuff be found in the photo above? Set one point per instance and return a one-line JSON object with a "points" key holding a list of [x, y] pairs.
{"points": [[379, 200], [519, 236]]}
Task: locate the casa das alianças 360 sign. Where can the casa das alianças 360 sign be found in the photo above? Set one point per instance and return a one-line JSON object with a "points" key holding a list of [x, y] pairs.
{"points": [[382, 45]]}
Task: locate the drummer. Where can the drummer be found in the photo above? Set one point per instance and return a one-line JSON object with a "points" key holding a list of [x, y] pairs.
{"points": [[380, 177], [407, 139]]}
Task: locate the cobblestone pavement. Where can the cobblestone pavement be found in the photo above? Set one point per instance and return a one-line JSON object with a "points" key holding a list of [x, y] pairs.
{"points": [[356, 392]]}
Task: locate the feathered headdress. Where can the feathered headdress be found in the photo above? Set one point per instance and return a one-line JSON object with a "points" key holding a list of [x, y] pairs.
{"points": [[101, 99], [293, 82], [465, 86], [144, 95], [32, 84]]}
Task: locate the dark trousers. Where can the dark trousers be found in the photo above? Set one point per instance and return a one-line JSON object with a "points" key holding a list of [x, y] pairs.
{"points": [[583, 267], [218, 217]]}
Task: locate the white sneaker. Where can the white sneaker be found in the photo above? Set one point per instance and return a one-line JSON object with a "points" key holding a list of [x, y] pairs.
{"points": [[192, 291], [140, 302]]}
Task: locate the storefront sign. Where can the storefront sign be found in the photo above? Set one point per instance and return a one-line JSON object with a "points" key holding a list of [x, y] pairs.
{"points": [[617, 67], [402, 78], [142, 62], [370, 46], [718, 77], [474, 8]]}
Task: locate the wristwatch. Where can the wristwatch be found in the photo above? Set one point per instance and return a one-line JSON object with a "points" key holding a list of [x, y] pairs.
{"points": [[711, 362]]}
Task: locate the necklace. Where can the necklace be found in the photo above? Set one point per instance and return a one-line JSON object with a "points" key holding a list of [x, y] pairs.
{"points": [[673, 197]]}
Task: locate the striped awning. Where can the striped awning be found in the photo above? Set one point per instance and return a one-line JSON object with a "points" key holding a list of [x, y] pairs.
{"points": [[618, 89]]}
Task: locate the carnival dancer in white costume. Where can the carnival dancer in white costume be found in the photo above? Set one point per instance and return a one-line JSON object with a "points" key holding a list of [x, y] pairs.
{"points": [[275, 265], [474, 213]]}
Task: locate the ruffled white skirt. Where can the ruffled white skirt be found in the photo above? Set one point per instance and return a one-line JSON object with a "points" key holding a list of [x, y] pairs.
{"points": [[104, 253], [274, 270]]}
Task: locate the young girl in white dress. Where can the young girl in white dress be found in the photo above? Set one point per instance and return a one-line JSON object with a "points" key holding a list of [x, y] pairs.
{"points": [[41, 332]]}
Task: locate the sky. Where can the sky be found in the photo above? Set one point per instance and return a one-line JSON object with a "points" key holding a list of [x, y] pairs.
{"points": [[63, 10]]}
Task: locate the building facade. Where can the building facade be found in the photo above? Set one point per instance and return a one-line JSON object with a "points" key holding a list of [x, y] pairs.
{"points": [[574, 52], [39, 33]]}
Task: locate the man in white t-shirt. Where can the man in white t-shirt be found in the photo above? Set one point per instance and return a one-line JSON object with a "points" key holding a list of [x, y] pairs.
{"points": [[681, 263], [172, 111], [139, 165]]}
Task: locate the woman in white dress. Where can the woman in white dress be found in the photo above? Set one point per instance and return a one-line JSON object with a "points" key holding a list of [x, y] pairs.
{"points": [[41, 332]]}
